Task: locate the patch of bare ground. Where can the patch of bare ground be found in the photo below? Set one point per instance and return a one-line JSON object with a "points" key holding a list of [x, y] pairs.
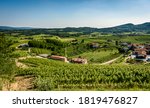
{"points": [[19, 64], [20, 83]]}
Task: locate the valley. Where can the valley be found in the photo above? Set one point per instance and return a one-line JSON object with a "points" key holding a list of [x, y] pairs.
{"points": [[75, 59]]}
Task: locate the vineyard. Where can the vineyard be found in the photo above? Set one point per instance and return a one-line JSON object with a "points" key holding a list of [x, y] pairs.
{"points": [[56, 75], [108, 68], [19, 53], [39, 51]]}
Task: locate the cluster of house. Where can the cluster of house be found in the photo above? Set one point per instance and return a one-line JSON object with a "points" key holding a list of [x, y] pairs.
{"points": [[140, 52], [64, 59]]}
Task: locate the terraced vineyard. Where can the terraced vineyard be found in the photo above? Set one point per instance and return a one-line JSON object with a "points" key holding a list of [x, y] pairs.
{"points": [[55, 75]]}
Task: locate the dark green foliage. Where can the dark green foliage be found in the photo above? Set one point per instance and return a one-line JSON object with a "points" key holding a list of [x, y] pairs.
{"points": [[82, 41], [73, 50], [38, 44], [7, 64], [57, 43], [4, 45], [56, 46], [116, 43]]}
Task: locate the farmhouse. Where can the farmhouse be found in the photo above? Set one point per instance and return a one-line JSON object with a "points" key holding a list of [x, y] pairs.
{"points": [[61, 58], [138, 46], [79, 60], [23, 45], [140, 49], [148, 49], [140, 54], [94, 45]]}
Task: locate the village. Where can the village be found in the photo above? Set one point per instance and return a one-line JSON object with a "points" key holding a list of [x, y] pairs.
{"points": [[140, 52]]}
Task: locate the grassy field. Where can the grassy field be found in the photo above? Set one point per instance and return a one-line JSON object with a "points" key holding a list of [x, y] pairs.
{"points": [[136, 39], [67, 39], [132, 39], [40, 51], [99, 56], [19, 42]]}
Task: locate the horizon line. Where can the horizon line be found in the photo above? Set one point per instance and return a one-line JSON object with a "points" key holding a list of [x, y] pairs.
{"points": [[32, 27]]}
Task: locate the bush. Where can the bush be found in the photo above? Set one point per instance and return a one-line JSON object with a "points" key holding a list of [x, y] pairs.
{"points": [[1, 83], [43, 84]]}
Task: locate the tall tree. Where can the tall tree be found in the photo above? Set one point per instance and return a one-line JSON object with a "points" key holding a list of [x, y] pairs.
{"points": [[7, 64]]}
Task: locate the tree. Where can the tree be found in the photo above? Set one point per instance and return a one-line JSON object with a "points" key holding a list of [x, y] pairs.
{"points": [[82, 41], [7, 64], [116, 43]]}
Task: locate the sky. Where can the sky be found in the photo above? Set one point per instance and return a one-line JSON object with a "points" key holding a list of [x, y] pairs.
{"points": [[73, 13]]}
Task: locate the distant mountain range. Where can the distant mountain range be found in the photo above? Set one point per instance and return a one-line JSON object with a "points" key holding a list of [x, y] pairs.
{"points": [[145, 27], [14, 28]]}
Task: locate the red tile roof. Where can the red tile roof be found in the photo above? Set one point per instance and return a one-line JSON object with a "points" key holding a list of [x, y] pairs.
{"points": [[55, 57], [79, 60]]}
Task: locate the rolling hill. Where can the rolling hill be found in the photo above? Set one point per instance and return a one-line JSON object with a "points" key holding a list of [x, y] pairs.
{"points": [[13, 28], [145, 27]]}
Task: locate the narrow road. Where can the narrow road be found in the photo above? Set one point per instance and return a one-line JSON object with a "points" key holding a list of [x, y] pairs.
{"points": [[22, 65], [110, 61]]}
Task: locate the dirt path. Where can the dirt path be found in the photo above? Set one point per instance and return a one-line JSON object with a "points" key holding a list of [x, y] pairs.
{"points": [[19, 64], [110, 61], [21, 83]]}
